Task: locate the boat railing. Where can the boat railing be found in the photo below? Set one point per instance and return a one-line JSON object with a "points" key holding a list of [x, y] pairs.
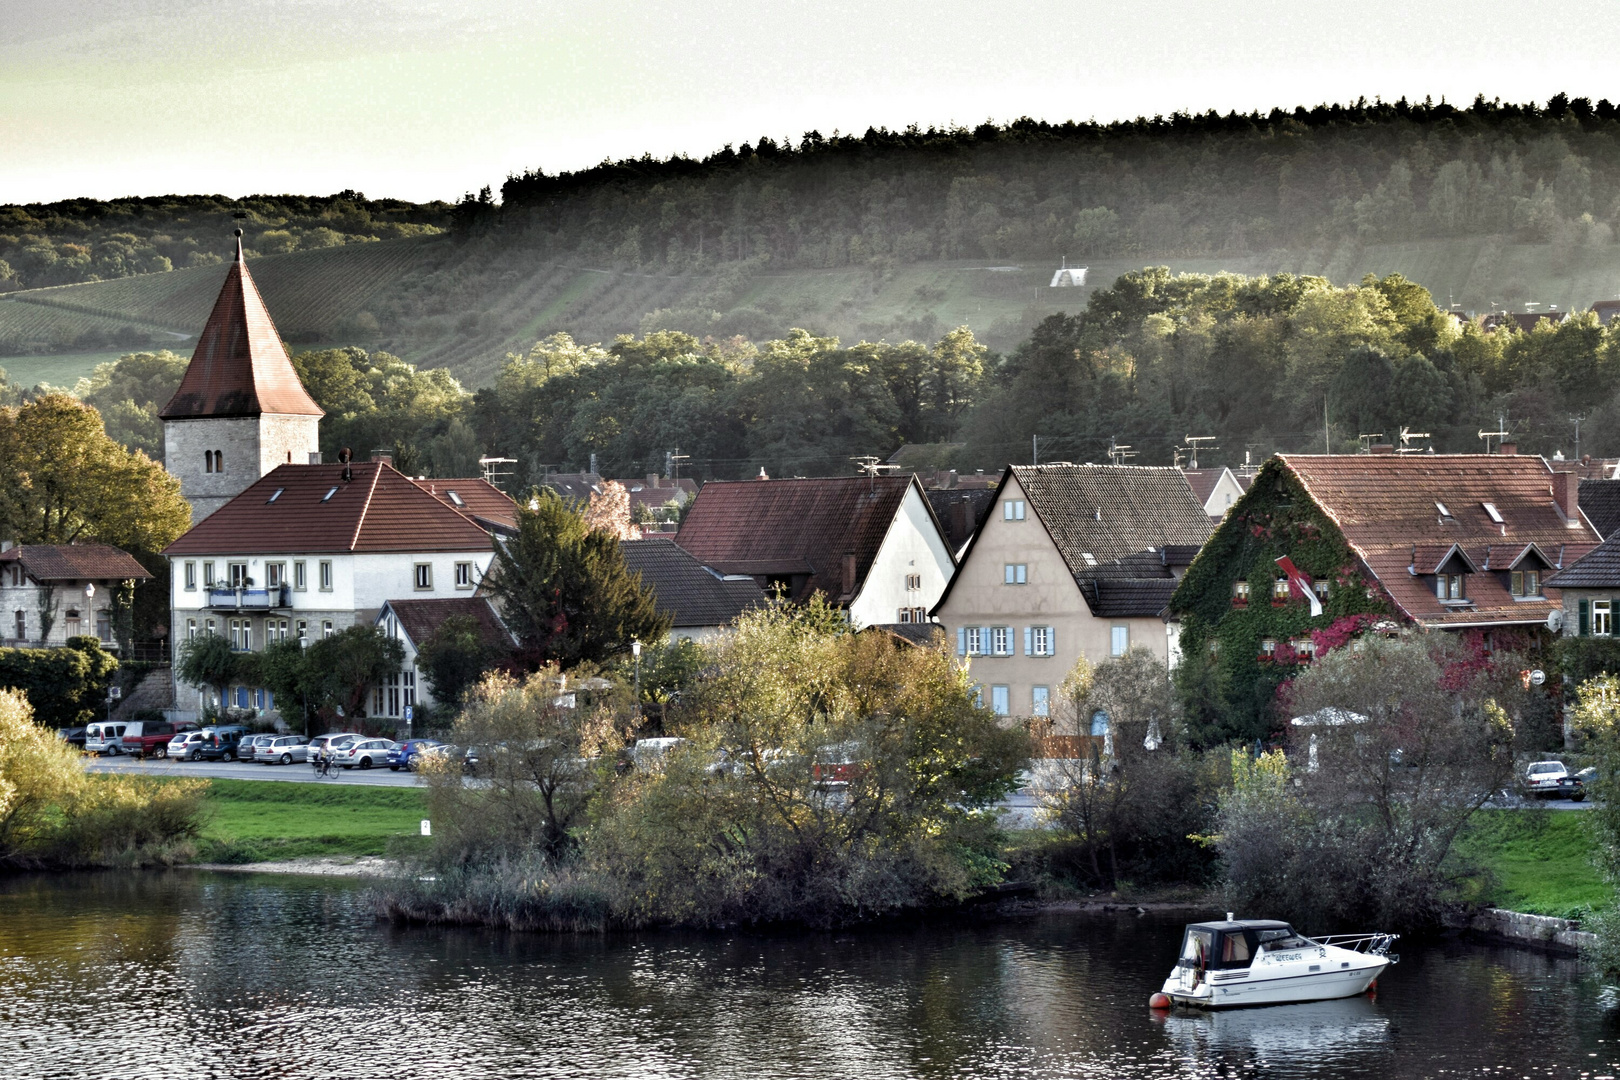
{"points": [[1372, 944]]}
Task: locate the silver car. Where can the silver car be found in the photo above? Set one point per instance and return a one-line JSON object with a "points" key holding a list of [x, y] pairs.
{"points": [[248, 748], [187, 746], [282, 750], [363, 753], [328, 744]]}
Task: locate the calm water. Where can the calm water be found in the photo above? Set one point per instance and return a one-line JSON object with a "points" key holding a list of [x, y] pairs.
{"points": [[197, 975]]}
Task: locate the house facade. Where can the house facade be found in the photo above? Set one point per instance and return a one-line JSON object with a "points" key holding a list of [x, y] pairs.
{"points": [[1217, 489], [1071, 561], [412, 622], [310, 550], [52, 592], [1464, 543], [240, 409], [870, 545]]}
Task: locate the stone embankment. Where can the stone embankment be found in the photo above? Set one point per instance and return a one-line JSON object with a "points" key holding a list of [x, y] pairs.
{"points": [[1542, 931]]}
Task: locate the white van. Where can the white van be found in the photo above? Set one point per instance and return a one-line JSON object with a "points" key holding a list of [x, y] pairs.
{"points": [[102, 738]]}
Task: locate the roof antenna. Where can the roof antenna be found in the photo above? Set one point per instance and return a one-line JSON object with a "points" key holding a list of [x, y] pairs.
{"points": [[238, 245], [346, 455]]}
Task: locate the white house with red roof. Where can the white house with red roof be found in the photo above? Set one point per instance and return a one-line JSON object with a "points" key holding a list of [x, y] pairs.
{"points": [[309, 550]]}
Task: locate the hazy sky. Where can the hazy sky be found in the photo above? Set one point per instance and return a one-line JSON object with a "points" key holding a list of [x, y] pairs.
{"points": [[422, 99]]}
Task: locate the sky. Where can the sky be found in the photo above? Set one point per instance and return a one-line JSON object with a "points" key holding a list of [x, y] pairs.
{"points": [[425, 99]]}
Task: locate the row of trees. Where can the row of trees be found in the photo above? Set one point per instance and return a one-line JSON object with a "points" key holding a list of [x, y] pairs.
{"points": [[90, 240]]}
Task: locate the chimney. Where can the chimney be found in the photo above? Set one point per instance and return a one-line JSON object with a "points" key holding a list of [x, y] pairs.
{"points": [[384, 456], [849, 574], [593, 464], [1567, 494], [1508, 449], [314, 457], [652, 480], [763, 475], [959, 518], [1381, 448]]}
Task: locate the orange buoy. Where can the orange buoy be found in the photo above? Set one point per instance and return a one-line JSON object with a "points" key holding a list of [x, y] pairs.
{"points": [[1159, 1001]]}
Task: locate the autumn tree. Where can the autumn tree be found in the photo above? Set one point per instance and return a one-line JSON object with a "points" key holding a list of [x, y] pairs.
{"points": [[609, 512]]}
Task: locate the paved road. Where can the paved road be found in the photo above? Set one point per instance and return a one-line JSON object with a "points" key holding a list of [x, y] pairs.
{"points": [[236, 770]]}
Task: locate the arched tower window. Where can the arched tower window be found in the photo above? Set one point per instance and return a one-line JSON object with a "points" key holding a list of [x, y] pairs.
{"points": [[219, 461], [208, 461]]}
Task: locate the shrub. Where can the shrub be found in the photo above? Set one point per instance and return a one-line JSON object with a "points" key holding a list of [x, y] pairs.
{"points": [[64, 687]]}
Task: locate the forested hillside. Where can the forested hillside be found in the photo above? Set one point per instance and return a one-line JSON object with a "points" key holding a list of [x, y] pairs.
{"points": [[886, 235]]}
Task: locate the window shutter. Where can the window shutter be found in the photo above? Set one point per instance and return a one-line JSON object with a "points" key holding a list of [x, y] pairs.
{"points": [[1051, 641], [1586, 618], [961, 641], [1029, 641]]}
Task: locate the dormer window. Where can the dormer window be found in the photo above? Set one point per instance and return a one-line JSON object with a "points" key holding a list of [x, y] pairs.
{"points": [[1525, 583], [1449, 586]]}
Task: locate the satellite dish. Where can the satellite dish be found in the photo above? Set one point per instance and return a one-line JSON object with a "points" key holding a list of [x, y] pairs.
{"points": [[1555, 620], [345, 455]]}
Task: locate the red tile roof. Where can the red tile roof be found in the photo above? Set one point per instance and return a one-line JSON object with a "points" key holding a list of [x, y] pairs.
{"points": [[798, 529], [76, 562], [240, 367], [1386, 506], [1203, 481], [477, 498], [378, 509], [420, 618]]}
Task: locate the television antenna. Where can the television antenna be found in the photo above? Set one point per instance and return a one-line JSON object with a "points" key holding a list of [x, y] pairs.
{"points": [[496, 469], [1498, 435], [1407, 435], [1119, 453], [871, 465], [1192, 447], [1366, 441]]}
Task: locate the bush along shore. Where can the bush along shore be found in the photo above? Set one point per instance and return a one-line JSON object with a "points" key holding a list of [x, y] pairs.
{"points": [[817, 777]]}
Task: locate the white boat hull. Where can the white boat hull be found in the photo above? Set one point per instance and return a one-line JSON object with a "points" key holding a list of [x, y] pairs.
{"points": [[1320, 973]]}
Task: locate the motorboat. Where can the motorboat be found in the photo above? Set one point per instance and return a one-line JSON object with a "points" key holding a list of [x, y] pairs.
{"points": [[1242, 962]]}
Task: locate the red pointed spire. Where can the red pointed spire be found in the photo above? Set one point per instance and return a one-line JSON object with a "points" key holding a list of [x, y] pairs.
{"points": [[240, 367]]}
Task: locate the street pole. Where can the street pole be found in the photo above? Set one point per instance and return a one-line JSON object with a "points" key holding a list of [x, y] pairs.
{"points": [[635, 651]]}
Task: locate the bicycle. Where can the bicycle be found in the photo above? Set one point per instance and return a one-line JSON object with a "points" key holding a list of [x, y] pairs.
{"points": [[326, 767]]}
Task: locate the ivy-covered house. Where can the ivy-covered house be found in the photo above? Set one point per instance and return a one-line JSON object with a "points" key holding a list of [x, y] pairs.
{"points": [[1454, 542]]}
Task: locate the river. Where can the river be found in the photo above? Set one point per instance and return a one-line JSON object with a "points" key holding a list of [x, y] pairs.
{"points": [[190, 974]]}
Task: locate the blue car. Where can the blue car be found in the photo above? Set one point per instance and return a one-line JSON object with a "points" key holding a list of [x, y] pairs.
{"points": [[404, 755]]}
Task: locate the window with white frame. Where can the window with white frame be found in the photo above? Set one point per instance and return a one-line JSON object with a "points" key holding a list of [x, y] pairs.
{"points": [[191, 629], [973, 640], [326, 628], [303, 631], [275, 575], [913, 615], [208, 575], [407, 687], [326, 575], [1015, 573], [191, 576], [237, 573], [300, 577], [1042, 641], [1040, 701], [1602, 618], [464, 575], [1119, 640], [1012, 510], [913, 582], [423, 577], [1000, 701], [1001, 640]]}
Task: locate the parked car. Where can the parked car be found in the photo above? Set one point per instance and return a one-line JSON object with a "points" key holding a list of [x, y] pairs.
{"points": [[247, 748], [1552, 780], [282, 750], [404, 755], [142, 739], [448, 751], [220, 742], [73, 736], [363, 753], [330, 742], [187, 745], [102, 738]]}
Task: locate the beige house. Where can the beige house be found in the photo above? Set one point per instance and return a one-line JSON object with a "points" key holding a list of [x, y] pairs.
{"points": [[1071, 561]]}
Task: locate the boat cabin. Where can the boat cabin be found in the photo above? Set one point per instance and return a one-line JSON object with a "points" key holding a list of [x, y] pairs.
{"points": [[1220, 946]]}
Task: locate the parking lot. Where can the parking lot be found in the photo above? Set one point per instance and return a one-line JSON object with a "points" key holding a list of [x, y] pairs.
{"points": [[238, 770]]}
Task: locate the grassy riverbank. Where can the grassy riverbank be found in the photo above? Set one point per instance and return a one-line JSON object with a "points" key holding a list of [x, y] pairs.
{"points": [[1540, 861], [255, 821]]}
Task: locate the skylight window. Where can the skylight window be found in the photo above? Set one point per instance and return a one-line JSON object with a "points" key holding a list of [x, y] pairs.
{"points": [[1490, 508], [274, 496], [1440, 506], [455, 498], [1090, 561], [328, 496]]}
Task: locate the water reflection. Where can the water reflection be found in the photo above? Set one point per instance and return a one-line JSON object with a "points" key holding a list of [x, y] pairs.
{"points": [[291, 978]]}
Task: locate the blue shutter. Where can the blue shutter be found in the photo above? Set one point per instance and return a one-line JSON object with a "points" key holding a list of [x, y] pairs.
{"points": [[1029, 641], [1051, 641], [961, 638], [1586, 618]]}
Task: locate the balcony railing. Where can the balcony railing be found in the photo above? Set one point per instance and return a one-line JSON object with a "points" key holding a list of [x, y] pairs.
{"points": [[237, 599]]}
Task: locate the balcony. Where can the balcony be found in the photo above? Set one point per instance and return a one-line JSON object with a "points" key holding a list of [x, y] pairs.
{"points": [[248, 599]]}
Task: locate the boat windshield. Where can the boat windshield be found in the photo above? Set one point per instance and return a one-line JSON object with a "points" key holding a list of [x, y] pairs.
{"points": [[1282, 939], [1195, 949], [1234, 950]]}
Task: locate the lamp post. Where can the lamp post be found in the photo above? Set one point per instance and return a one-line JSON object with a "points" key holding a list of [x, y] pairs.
{"points": [[635, 651]]}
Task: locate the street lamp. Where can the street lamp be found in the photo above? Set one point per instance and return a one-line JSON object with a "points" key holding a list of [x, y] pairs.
{"points": [[635, 651]]}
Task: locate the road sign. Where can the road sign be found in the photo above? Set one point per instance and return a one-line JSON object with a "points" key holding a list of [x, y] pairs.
{"points": [[427, 827], [410, 713]]}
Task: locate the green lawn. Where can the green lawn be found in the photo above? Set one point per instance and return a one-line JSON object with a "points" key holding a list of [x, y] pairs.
{"points": [[1540, 860], [255, 821]]}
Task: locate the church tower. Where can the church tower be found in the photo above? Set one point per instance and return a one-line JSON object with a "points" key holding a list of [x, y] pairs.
{"points": [[240, 410]]}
